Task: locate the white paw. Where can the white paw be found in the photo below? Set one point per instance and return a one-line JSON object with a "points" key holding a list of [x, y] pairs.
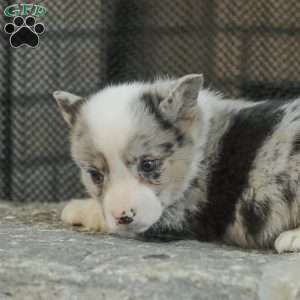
{"points": [[87, 213], [288, 241]]}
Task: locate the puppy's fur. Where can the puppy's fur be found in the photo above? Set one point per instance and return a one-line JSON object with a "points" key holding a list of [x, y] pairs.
{"points": [[221, 169]]}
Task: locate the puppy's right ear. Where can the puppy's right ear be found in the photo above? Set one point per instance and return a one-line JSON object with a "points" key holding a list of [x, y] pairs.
{"points": [[69, 105]]}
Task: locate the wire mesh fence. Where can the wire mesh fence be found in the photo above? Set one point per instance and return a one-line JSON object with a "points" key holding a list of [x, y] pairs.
{"points": [[244, 48]]}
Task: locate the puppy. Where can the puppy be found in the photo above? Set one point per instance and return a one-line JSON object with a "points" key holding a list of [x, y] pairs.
{"points": [[172, 157]]}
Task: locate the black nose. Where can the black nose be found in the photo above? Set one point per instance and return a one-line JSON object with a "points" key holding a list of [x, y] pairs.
{"points": [[125, 220]]}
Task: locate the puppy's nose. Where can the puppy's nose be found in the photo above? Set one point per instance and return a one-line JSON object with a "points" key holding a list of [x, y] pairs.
{"points": [[127, 217], [125, 220]]}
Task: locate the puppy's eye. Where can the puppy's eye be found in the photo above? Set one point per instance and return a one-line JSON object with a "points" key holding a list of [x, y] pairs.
{"points": [[96, 176], [149, 165]]}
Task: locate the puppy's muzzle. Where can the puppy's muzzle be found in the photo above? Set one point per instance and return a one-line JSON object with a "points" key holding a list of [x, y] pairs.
{"points": [[126, 217]]}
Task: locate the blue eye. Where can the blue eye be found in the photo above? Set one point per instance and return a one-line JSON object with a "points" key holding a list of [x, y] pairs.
{"points": [[96, 176], [149, 165]]}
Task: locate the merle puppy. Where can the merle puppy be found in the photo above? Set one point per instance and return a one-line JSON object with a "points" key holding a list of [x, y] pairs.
{"points": [[171, 156]]}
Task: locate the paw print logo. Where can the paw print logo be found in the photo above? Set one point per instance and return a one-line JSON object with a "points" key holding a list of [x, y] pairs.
{"points": [[24, 31]]}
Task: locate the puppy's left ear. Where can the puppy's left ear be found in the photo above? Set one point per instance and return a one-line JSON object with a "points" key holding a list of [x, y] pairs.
{"points": [[181, 104], [69, 105]]}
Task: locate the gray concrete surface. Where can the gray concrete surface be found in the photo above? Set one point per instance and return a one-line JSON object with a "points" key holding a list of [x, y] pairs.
{"points": [[41, 259]]}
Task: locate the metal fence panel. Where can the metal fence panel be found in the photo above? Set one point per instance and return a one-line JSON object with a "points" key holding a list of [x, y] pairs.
{"points": [[244, 48]]}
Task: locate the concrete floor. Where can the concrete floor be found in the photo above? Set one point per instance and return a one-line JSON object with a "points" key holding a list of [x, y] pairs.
{"points": [[42, 259]]}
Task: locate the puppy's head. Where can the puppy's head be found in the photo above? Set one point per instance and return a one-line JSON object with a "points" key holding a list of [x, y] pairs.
{"points": [[134, 144]]}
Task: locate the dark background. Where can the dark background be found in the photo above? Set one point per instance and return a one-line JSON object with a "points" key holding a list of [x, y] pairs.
{"points": [[244, 48]]}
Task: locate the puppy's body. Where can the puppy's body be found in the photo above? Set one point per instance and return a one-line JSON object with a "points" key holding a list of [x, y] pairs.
{"points": [[220, 169]]}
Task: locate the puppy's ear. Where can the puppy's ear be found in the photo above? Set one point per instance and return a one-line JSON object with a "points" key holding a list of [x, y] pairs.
{"points": [[69, 105], [181, 103]]}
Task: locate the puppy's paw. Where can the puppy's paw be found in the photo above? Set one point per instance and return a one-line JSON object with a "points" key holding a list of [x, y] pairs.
{"points": [[288, 241], [87, 213]]}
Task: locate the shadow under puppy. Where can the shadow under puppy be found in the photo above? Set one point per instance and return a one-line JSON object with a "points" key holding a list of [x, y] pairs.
{"points": [[171, 156]]}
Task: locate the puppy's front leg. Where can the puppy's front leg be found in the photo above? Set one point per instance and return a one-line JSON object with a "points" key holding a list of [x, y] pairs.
{"points": [[85, 212]]}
